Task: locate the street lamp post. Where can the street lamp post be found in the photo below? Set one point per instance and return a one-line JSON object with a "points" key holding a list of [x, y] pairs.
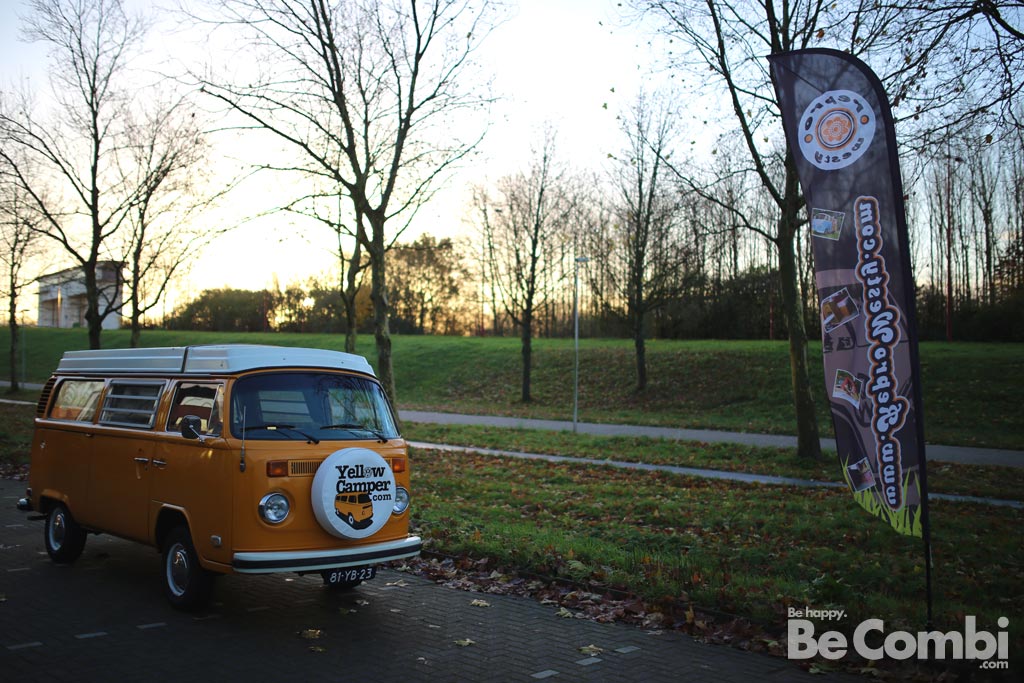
{"points": [[576, 339]]}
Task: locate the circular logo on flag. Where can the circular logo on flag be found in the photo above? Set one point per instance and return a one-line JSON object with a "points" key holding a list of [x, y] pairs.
{"points": [[353, 493], [836, 129]]}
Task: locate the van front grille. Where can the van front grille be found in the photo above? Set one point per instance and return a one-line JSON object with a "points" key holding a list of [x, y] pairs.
{"points": [[302, 468]]}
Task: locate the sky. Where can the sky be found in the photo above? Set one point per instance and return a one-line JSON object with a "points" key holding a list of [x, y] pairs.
{"points": [[569, 63]]}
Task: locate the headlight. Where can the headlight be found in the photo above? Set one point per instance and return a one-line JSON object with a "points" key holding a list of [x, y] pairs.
{"points": [[401, 501], [274, 508]]}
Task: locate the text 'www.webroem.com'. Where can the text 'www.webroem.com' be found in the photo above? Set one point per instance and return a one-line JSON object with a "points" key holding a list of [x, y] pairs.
{"points": [[990, 650]]}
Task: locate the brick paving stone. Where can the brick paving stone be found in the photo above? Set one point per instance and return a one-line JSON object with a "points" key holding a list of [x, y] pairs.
{"points": [[105, 618]]}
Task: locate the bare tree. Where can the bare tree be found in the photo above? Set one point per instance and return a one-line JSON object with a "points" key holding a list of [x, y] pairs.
{"points": [[722, 41], [325, 207], [952, 68], [650, 242], [19, 242], [365, 92], [164, 155], [523, 224], [984, 186], [68, 164], [947, 67]]}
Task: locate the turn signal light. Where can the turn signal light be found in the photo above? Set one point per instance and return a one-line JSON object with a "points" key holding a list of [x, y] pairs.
{"points": [[277, 468], [398, 465]]}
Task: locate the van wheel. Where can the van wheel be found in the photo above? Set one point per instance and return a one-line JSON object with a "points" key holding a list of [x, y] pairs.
{"points": [[64, 539], [187, 585]]}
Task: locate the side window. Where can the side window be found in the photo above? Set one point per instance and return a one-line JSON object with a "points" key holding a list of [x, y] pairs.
{"points": [[204, 400], [77, 400], [131, 403]]}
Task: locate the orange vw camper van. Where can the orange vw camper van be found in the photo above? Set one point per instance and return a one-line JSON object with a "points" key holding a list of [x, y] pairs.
{"points": [[228, 459]]}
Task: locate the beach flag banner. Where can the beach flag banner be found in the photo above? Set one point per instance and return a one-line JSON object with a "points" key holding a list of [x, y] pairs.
{"points": [[840, 132]]}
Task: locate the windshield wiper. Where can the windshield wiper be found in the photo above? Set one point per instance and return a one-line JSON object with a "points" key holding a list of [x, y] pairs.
{"points": [[351, 426], [275, 426]]}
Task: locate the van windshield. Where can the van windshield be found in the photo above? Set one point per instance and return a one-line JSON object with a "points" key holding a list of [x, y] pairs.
{"points": [[322, 406]]}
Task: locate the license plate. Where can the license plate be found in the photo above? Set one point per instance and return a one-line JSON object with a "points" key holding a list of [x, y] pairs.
{"points": [[349, 574]]}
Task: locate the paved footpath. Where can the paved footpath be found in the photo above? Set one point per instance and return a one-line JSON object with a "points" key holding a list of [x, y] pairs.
{"points": [[105, 619], [960, 454]]}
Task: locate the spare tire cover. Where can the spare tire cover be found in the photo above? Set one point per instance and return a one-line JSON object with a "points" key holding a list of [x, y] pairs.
{"points": [[353, 493]]}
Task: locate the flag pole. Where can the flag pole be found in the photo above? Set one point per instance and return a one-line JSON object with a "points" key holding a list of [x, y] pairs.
{"points": [[915, 361]]}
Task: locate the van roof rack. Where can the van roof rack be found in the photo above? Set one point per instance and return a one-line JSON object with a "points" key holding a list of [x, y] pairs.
{"points": [[205, 360]]}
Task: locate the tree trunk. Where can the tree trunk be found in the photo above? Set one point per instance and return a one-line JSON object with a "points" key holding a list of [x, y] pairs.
{"points": [[527, 352], [641, 349], [14, 343], [92, 310], [136, 335], [351, 335], [348, 300], [808, 441], [136, 322], [348, 282], [381, 329], [136, 284]]}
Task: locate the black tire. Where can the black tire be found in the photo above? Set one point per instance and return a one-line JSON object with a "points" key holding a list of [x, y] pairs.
{"points": [[187, 585], [64, 539]]}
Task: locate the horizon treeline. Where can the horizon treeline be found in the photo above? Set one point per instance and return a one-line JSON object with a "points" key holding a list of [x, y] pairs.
{"points": [[440, 287]]}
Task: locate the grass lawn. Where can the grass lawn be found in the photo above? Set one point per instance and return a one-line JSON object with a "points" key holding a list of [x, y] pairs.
{"points": [[969, 389], [746, 550], [970, 480], [15, 437]]}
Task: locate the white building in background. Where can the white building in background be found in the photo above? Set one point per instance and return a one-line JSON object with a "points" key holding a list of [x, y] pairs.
{"points": [[62, 300]]}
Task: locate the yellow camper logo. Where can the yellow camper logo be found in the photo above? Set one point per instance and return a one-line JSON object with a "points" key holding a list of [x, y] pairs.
{"points": [[355, 509], [353, 493]]}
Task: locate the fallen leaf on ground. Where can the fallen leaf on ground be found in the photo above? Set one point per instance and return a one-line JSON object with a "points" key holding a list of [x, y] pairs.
{"points": [[465, 642], [591, 650], [311, 633], [479, 603]]}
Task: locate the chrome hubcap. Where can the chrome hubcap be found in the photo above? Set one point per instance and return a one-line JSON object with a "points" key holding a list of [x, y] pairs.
{"points": [[177, 569], [58, 530]]}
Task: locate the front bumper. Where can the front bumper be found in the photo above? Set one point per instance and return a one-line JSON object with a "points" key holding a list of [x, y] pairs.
{"points": [[302, 561]]}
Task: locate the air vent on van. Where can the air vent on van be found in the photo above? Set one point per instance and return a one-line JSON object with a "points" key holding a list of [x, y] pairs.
{"points": [[303, 468], [44, 397]]}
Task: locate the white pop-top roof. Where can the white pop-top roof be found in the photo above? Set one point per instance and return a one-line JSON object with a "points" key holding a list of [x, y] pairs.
{"points": [[212, 359]]}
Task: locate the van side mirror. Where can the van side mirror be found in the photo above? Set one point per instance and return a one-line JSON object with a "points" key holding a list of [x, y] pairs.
{"points": [[191, 426]]}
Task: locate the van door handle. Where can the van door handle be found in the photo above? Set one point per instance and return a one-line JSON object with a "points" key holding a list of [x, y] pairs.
{"points": [[160, 463], [142, 461]]}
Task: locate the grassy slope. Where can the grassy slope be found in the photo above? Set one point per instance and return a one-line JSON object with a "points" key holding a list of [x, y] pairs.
{"points": [[969, 389]]}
